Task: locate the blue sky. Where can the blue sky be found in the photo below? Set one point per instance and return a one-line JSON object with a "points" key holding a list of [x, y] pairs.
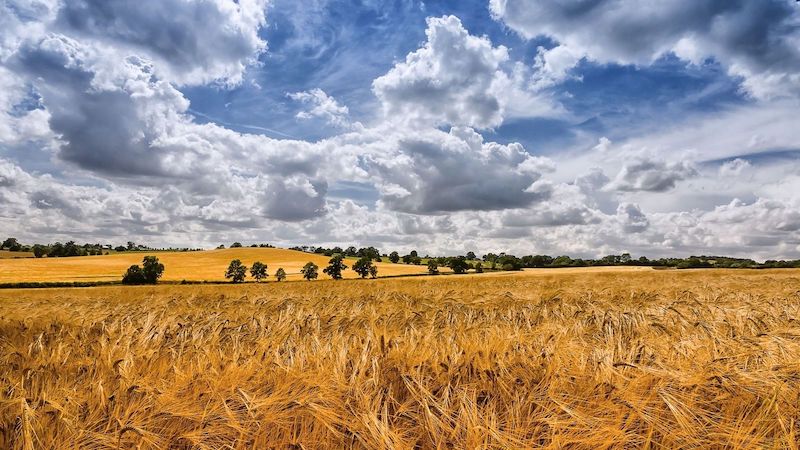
{"points": [[580, 127]]}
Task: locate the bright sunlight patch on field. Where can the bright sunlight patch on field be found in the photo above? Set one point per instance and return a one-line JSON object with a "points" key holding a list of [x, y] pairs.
{"points": [[628, 359], [207, 265]]}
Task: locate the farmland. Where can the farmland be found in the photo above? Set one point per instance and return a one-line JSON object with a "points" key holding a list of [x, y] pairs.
{"points": [[196, 266], [537, 359]]}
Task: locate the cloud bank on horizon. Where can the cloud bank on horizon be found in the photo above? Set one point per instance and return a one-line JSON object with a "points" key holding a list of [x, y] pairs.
{"points": [[530, 126]]}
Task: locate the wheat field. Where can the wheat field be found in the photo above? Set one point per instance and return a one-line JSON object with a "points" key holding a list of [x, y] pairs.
{"points": [[538, 359], [208, 265]]}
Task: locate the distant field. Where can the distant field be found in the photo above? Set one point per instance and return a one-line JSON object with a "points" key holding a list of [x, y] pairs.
{"points": [[205, 265], [579, 359], [4, 254]]}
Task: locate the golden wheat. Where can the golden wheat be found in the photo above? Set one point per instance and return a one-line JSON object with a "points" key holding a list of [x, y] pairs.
{"points": [[558, 359], [207, 265]]}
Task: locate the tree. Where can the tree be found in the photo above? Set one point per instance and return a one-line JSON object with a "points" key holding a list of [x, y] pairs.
{"points": [[478, 267], [39, 250], [152, 269], [236, 271], [280, 274], [335, 267], [71, 249], [394, 257], [310, 271], [134, 275], [373, 271], [364, 267], [471, 255], [131, 245], [258, 271], [458, 264], [56, 250], [433, 267], [120, 248], [236, 245], [12, 244]]}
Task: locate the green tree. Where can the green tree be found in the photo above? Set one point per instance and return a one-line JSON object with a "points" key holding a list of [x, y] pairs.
{"points": [[12, 244], [433, 267], [471, 255], [258, 271], [478, 267], [134, 275], [310, 271], [236, 245], [236, 271], [373, 271], [363, 266], [39, 250], [280, 274], [335, 267], [394, 257], [152, 269], [458, 264]]}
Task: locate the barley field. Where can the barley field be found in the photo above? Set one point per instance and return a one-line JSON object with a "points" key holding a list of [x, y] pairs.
{"points": [[538, 359], [208, 265]]}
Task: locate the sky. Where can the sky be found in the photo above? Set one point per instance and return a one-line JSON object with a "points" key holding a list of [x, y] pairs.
{"points": [[579, 127]]}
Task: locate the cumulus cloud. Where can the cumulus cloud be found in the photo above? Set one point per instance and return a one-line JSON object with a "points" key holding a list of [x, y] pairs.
{"points": [[651, 175], [192, 42], [734, 168], [755, 40], [456, 79], [436, 172], [632, 218], [322, 106]]}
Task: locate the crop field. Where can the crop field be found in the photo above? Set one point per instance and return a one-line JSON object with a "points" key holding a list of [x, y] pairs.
{"points": [[536, 359], [5, 254], [207, 265]]}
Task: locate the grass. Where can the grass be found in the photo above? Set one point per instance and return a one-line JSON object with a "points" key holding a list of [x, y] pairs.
{"points": [[196, 266], [553, 359]]}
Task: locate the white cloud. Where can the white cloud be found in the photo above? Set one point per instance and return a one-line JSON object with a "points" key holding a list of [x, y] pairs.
{"points": [[755, 40], [322, 106], [189, 42], [651, 175], [734, 168], [456, 79]]}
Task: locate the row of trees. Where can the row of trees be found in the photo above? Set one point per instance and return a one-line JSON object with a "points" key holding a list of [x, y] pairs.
{"points": [[70, 248], [237, 272], [492, 261], [364, 267]]}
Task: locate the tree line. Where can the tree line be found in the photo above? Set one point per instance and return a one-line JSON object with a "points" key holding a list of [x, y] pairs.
{"points": [[71, 248], [489, 261]]}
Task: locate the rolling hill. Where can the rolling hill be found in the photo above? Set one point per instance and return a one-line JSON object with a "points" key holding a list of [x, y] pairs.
{"points": [[206, 265]]}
